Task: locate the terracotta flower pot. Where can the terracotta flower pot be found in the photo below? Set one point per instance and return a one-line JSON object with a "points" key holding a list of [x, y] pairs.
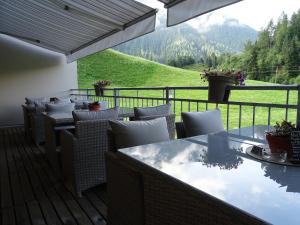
{"points": [[94, 107], [216, 88], [279, 144]]}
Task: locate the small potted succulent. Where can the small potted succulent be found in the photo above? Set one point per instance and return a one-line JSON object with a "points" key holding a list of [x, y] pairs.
{"points": [[217, 82], [279, 139], [100, 85], [94, 106]]}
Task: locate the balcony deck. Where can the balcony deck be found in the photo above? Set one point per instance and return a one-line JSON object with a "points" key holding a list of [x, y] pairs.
{"points": [[32, 194]]}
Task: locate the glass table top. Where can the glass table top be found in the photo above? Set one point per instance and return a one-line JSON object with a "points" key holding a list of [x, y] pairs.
{"points": [[218, 165]]}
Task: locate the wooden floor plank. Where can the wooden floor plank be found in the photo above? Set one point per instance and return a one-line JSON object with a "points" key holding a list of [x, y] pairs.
{"points": [[6, 199], [8, 216], [79, 215], [71, 201], [49, 212], [91, 211], [59, 206], [97, 203], [27, 189], [22, 216], [32, 194], [36, 213]]}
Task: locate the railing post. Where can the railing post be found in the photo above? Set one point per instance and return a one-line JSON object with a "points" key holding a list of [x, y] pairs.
{"points": [[167, 95], [227, 93], [298, 107], [116, 97]]}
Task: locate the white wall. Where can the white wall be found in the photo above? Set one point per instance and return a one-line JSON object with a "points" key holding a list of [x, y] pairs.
{"points": [[27, 70]]}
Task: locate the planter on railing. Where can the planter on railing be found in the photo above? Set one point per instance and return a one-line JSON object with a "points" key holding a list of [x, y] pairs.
{"points": [[99, 91], [99, 87], [216, 88]]}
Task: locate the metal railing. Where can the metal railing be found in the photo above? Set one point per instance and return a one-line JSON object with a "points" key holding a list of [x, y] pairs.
{"points": [[259, 105]]}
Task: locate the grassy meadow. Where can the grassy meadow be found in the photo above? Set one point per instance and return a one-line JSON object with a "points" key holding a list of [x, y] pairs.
{"points": [[129, 71]]}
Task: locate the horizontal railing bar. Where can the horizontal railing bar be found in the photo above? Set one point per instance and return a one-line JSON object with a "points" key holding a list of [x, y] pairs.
{"points": [[263, 87], [201, 101], [239, 103], [131, 97], [256, 87]]}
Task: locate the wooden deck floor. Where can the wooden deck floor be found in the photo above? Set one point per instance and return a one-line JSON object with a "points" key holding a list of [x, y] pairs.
{"points": [[32, 194]]}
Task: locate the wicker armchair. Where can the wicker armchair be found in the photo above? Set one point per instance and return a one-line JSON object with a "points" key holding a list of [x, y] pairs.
{"points": [[82, 154], [170, 122]]}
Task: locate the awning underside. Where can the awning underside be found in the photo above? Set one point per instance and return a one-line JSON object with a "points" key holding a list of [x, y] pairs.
{"points": [[182, 10], [75, 27]]}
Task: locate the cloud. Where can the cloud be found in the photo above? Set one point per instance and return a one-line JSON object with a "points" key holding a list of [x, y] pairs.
{"points": [[254, 13]]}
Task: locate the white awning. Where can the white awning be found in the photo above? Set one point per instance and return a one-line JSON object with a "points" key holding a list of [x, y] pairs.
{"points": [[182, 10], [76, 28]]}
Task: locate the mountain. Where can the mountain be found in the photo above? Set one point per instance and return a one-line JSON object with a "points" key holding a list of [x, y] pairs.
{"points": [[231, 35], [166, 44]]}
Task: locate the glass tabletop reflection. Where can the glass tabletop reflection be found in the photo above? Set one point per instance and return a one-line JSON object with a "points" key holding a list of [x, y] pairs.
{"points": [[218, 165]]}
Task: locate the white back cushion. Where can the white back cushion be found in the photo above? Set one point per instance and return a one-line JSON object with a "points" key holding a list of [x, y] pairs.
{"points": [[198, 123], [134, 133]]}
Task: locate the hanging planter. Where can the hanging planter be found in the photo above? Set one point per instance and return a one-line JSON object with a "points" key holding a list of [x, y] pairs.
{"points": [[217, 82], [99, 87], [216, 88], [99, 91]]}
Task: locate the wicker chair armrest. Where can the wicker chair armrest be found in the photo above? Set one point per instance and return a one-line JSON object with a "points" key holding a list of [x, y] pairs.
{"points": [[171, 125], [37, 124], [180, 130], [68, 144], [68, 140]]}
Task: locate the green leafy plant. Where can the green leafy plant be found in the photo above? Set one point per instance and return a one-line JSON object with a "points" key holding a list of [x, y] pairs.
{"points": [[102, 83], [238, 77], [282, 129]]}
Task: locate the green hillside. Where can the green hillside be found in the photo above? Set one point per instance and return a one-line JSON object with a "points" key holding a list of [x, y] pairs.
{"points": [[129, 71]]}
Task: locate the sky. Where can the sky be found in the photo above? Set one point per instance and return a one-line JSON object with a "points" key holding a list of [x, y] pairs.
{"points": [[254, 13]]}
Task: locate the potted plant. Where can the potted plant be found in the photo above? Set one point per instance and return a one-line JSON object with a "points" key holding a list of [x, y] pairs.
{"points": [[217, 82], [99, 87], [94, 106], [279, 139]]}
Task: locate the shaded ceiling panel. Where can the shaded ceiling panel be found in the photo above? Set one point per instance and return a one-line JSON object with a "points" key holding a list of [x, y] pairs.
{"points": [[76, 28], [182, 10]]}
